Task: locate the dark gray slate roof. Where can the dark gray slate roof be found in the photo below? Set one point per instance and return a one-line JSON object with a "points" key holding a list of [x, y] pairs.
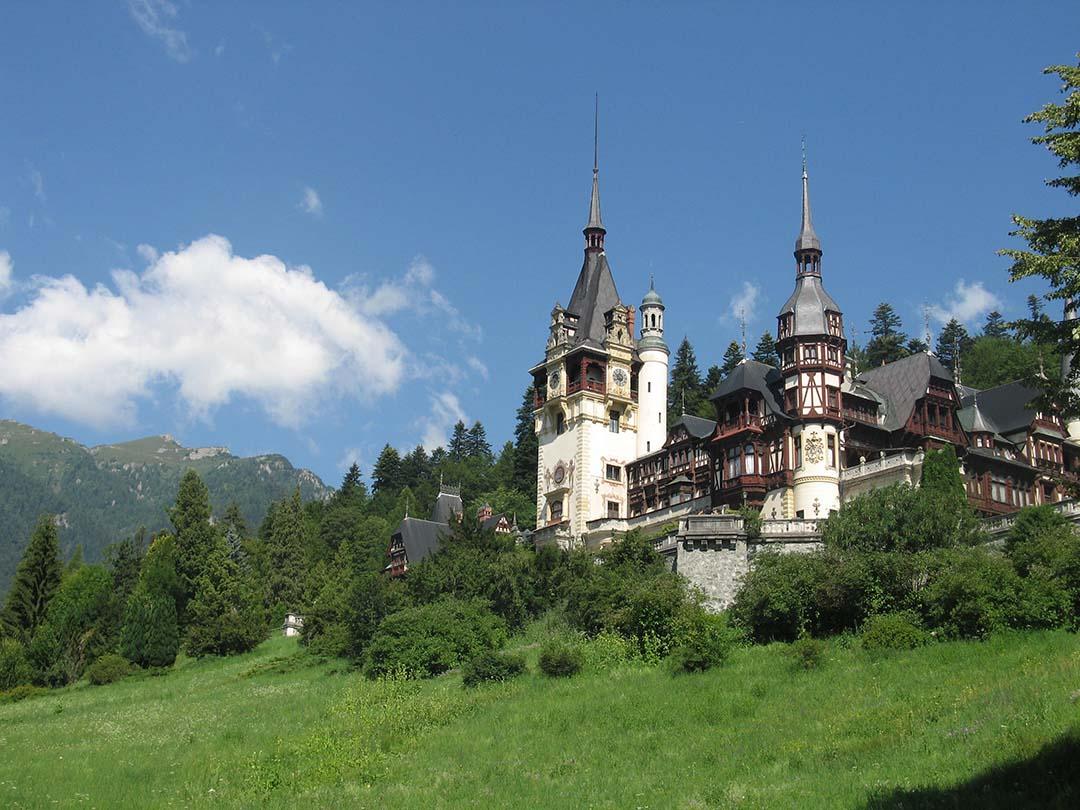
{"points": [[492, 522], [447, 505], [807, 239], [420, 537], [696, 426], [756, 376], [593, 295], [1006, 406], [902, 383], [809, 302]]}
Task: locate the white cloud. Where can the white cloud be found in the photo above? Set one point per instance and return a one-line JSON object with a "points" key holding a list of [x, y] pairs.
{"points": [[211, 323], [352, 455], [310, 202], [38, 183], [967, 303], [743, 304], [148, 253], [6, 273], [154, 17], [477, 365], [446, 411]]}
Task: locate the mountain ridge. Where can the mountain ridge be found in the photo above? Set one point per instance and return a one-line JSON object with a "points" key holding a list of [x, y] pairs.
{"points": [[104, 493]]}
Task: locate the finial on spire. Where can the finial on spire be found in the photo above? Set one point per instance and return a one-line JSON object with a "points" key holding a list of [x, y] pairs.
{"points": [[742, 325], [808, 239], [594, 230], [652, 282]]}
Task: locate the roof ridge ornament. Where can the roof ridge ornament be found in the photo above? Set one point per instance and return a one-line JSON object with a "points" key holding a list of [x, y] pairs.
{"points": [[808, 238], [594, 229]]}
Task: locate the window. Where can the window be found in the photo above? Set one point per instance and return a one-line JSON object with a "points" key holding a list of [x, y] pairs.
{"points": [[648, 446], [732, 462], [997, 489], [556, 511], [798, 451], [613, 509], [659, 417], [560, 423], [831, 440], [613, 472], [749, 465], [834, 355], [613, 423], [648, 387]]}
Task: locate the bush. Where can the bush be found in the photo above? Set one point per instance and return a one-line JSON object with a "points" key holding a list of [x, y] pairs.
{"points": [[894, 631], [15, 694], [430, 639], [493, 666], [109, 668], [560, 660], [702, 640], [15, 668], [608, 650], [807, 652], [972, 592]]}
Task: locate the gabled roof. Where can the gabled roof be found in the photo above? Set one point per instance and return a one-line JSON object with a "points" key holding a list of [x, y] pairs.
{"points": [[594, 294], [697, 427], [420, 537], [755, 376], [447, 505], [1006, 406], [902, 383]]}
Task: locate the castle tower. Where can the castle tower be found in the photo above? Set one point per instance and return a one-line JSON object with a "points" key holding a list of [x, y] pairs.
{"points": [[653, 377], [812, 348], [586, 415]]}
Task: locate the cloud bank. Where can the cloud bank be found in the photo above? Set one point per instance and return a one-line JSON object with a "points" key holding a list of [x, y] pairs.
{"points": [[211, 324], [967, 303]]}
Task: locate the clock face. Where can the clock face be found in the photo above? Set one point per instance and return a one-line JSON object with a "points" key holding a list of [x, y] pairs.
{"points": [[619, 376], [560, 474], [553, 380]]}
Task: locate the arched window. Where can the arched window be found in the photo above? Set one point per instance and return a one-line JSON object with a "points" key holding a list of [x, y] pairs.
{"points": [[749, 466], [560, 423], [556, 511]]}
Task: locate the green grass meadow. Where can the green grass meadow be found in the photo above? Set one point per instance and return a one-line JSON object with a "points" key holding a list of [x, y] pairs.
{"points": [[965, 724]]}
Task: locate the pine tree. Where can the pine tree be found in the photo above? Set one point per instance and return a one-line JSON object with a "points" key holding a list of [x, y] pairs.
{"points": [[1035, 307], [36, 582], [351, 484], [459, 442], [887, 343], [713, 377], [225, 617], [195, 535], [235, 518], [526, 446], [684, 393], [387, 475], [995, 326], [733, 355], [415, 467], [150, 635], [952, 339], [916, 345], [478, 446], [124, 560], [285, 552], [765, 351], [234, 546]]}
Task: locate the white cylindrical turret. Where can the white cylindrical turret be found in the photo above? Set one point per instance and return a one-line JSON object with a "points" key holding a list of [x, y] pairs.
{"points": [[653, 376]]}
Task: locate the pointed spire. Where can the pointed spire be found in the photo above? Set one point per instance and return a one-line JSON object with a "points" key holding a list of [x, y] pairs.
{"points": [[808, 239], [594, 230]]}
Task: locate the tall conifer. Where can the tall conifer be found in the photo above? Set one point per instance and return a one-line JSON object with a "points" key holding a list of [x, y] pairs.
{"points": [[36, 581]]}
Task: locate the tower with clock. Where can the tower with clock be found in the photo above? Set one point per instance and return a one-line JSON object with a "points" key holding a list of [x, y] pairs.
{"points": [[593, 388]]}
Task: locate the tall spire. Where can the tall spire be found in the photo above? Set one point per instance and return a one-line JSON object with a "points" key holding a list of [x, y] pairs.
{"points": [[594, 230], [808, 244]]}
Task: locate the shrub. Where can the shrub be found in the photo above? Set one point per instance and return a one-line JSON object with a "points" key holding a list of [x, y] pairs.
{"points": [[775, 602], [807, 652], [430, 639], [702, 640], [971, 593], [608, 650], [560, 659], [15, 669], [493, 666], [894, 631], [109, 668], [15, 694]]}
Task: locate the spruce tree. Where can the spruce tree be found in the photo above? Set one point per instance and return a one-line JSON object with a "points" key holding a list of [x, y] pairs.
{"points": [[195, 535], [124, 560], [526, 446], [952, 340], [887, 343], [225, 617], [1053, 243], [684, 392], [478, 446], [150, 634], [995, 326], [352, 485], [733, 355], [713, 377], [415, 467], [765, 351], [387, 475], [36, 581], [459, 442], [235, 518], [285, 553]]}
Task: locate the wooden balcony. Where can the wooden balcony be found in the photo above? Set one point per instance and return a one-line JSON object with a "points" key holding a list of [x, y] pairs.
{"points": [[744, 423], [595, 386]]}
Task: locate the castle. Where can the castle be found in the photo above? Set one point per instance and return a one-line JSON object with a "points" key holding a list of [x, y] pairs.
{"points": [[794, 440]]}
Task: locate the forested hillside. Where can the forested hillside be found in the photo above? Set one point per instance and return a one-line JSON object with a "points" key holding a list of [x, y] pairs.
{"points": [[103, 494]]}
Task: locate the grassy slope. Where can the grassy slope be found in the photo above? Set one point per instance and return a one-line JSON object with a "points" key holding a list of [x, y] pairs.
{"points": [[754, 733]]}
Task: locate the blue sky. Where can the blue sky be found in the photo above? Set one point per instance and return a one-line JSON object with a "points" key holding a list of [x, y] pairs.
{"points": [[415, 179]]}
